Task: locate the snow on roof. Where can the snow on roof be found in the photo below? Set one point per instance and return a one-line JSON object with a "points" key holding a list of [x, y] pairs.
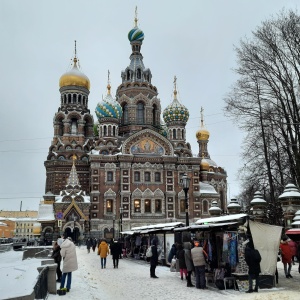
{"points": [[156, 226], [206, 188], [290, 191], [86, 199], [221, 219], [3, 224], [46, 212]]}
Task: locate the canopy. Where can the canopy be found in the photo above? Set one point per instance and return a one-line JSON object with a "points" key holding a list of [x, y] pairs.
{"points": [[293, 234]]}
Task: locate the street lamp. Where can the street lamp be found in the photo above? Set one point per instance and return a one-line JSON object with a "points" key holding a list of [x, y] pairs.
{"points": [[121, 224], [114, 218], [185, 186], [74, 228]]}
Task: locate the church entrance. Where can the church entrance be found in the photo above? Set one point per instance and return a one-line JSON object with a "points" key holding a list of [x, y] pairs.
{"points": [[74, 234]]}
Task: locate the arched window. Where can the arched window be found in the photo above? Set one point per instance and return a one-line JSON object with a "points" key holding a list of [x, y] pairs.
{"points": [[65, 99], [114, 131], [154, 109], [128, 75], [79, 99], [147, 206], [174, 134], [74, 98], [69, 98], [125, 114], [205, 207], [140, 113], [74, 126], [105, 131], [138, 74]]}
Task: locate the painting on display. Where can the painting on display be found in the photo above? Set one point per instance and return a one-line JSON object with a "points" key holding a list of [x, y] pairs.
{"points": [[147, 146]]}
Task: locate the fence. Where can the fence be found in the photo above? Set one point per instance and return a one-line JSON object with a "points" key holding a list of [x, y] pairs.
{"points": [[41, 287]]}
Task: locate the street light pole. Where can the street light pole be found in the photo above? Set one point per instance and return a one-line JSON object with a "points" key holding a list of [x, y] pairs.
{"points": [[185, 186], [121, 224], [74, 229], [114, 218]]}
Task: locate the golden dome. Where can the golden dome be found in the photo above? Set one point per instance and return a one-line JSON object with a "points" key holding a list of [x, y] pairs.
{"points": [[202, 134], [74, 77], [204, 165]]}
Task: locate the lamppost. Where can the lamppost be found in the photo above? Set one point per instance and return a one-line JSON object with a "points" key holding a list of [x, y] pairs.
{"points": [[74, 228], [121, 224], [185, 186], [114, 218]]}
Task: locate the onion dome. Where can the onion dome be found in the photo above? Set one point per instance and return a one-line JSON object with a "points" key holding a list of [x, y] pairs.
{"points": [[74, 77], [108, 107], [204, 165], [234, 207], [202, 134], [258, 199], [135, 34], [215, 210], [176, 112]]}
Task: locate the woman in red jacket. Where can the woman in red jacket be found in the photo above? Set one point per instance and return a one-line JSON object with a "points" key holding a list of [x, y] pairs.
{"points": [[286, 256]]}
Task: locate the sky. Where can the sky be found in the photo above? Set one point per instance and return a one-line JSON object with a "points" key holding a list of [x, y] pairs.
{"points": [[94, 283], [191, 39]]}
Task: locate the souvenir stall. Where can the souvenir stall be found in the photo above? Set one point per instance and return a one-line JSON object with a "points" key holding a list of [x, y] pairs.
{"points": [[138, 239]]}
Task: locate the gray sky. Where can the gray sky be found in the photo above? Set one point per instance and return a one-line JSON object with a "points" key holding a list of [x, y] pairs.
{"points": [[190, 39]]}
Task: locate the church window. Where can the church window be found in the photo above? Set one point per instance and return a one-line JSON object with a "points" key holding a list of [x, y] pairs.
{"points": [[174, 133], [137, 176], [154, 110], [157, 176], [79, 99], [137, 206], [105, 131], [74, 126], [147, 176], [114, 131], [138, 74], [68, 148], [125, 114], [109, 206], [104, 152], [140, 113], [158, 206], [74, 98], [205, 207], [61, 157], [65, 99], [128, 75], [182, 206], [147, 206], [109, 176], [69, 98]]}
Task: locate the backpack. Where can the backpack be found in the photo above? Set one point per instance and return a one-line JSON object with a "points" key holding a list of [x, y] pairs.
{"points": [[149, 252]]}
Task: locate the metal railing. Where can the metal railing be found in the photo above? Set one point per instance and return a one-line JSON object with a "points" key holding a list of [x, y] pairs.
{"points": [[41, 286]]}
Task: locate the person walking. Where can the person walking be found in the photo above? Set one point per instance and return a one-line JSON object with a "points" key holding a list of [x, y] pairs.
{"points": [[181, 261], [88, 245], [188, 262], [172, 253], [198, 256], [153, 259], [103, 251], [115, 251], [94, 244], [57, 259], [253, 259], [68, 254], [286, 257]]}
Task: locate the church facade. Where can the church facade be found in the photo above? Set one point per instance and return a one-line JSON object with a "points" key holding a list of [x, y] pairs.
{"points": [[124, 170]]}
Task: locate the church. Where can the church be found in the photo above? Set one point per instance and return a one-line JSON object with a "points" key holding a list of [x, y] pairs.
{"points": [[125, 168]]}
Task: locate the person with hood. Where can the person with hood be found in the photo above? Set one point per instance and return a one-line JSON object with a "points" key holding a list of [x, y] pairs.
{"points": [[286, 257], [153, 259], [172, 253], [94, 244], [88, 245], [181, 260], [253, 259], [115, 251], [57, 259], [198, 256], [68, 254], [189, 263], [103, 251]]}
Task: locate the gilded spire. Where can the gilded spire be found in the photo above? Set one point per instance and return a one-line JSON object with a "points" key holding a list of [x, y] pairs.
{"points": [[75, 56], [108, 83], [202, 118], [73, 179], [175, 90], [135, 18]]}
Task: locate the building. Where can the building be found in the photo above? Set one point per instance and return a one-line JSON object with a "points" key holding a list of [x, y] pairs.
{"points": [[127, 166]]}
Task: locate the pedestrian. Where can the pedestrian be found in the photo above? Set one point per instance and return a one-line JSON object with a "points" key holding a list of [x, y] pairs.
{"points": [[153, 259], [172, 253], [198, 257], [181, 260], [68, 254], [94, 244], [293, 247], [286, 257], [115, 251], [88, 244], [57, 259], [188, 262], [103, 251], [253, 259]]}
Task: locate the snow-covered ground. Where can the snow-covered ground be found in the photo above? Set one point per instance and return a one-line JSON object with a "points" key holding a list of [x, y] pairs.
{"points": [[129, 282]]}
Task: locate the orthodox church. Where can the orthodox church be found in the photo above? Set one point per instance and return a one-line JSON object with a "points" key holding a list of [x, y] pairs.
{"points": [[125, 169]]}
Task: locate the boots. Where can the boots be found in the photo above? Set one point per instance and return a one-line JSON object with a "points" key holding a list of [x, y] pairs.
{"points": [[189, 284]]}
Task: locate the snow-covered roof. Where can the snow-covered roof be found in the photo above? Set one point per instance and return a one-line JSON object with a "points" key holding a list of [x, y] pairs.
{"points": [[204, 226], [46, 212], [290, 191], [206, 188], [86, 199], [221, 219], [158, 226], [3, 224]]}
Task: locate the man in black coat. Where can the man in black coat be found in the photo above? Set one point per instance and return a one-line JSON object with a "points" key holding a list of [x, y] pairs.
{"points": [[153, 259], [115, 250], [253, 259]]}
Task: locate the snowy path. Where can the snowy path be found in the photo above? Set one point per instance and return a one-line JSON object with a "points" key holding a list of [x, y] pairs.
{"points": [[132, 281]]}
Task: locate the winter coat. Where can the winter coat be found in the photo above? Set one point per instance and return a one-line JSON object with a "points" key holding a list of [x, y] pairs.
{"points": [[253, 259], [198, 256], [188, 256], [103, 249], [88, 243], [154, 257], [293, 247], [56, 253], [180, 256], [115, 249], [286, 253], [68, 253], [172, 253]]}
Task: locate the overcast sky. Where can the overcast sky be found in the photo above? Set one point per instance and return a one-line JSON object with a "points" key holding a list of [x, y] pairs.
{"points": [[193, 40]]}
